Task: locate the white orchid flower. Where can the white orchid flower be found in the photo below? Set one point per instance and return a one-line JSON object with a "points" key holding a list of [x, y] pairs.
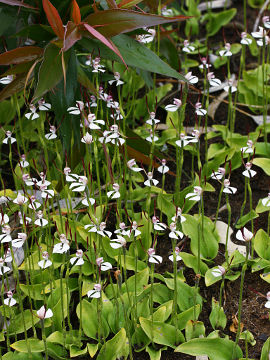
{"points": [[177, 256], [244, 235], [227, 188], [96, 293], [78, 258], [195, 195], [10, 301], [174, 106], [45, 263], [116, 79], [42, 313], [9, 138], [153, 258]]}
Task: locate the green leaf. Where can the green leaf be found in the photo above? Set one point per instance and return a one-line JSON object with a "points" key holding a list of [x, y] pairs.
{"points": [[50, 71], [92, 349], [220, 349], [260, 208], [154, 354], [248, 336], [187, 315], [134, 53], [191, 261], [35, 345], [246, 218], [217, 20], [21, 356], [186, 295], [17, 324], [209, 240], [162, 333], [115, 348], [217, 317], [194, 329], [265, 350], [263, 163], [90, 322], [74, 351], [130, 263], [262, 244]]}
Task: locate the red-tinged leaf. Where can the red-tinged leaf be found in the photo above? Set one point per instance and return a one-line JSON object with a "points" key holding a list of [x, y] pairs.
{"points": [[76, 14], [21, 55], [118, 21], [53, 18], [72, 35], [103, 39], [17, 3], [125, 4], [18, 69], [112, 4], [14, 87]]}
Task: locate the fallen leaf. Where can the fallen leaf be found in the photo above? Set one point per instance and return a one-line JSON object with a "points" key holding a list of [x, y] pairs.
{"points": [[234, 325]]}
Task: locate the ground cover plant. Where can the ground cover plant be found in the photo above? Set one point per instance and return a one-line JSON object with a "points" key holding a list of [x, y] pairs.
{"points": [[135, 163]]}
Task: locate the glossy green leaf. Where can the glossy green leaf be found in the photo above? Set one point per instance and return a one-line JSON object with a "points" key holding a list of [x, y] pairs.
{"points": [[221, 349], [17, 326], [90, 321], [194, 329], [215, 21], [92, 349], [263, 163], [265, 350], [186, 295], [154, 354], [162, 333], [115, 348], [262, 244], [74, 351], [35, 345], [208, 240], [246, 218], [217, 317], [187, 315], [191, 261]]}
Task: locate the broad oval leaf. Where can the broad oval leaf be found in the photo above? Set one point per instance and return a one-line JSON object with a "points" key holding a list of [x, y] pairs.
{"points": [[263, 163], [221, 349], [35, 345], [21, 55], [162, 333], [115, 348], [262, 244]]}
